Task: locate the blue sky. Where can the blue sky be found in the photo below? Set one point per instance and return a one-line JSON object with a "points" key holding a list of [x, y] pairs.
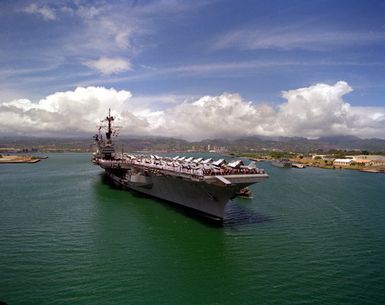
{"points": [[173, 53]]}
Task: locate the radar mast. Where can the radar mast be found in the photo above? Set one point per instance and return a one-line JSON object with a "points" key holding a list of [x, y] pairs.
{"points": [[109, 119]]}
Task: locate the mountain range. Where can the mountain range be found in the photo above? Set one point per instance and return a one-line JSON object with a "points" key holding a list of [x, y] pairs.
{"points": [[244, 144]]}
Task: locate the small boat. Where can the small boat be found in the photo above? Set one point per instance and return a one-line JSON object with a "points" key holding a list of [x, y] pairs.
{"points": [[244, 193], [374, 171]]}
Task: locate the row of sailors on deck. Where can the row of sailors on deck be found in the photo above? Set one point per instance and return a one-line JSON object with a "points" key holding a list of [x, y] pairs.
{"points": [[198, 167]]}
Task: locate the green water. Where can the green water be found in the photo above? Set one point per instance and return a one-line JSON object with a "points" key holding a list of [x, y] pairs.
{"points": [[308, 236]]}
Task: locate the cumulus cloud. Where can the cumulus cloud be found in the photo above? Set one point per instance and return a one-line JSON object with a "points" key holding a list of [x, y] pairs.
{"points": [[316, 110], [44, 12], [215, 116], [70, 112], [106, 65], [313, 111]]}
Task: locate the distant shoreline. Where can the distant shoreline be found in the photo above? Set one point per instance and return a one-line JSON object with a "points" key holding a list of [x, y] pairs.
{"points": [[366, 169], [15, 159]]}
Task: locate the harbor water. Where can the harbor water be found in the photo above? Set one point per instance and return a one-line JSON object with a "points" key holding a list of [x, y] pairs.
{"points": [[308, 236]]}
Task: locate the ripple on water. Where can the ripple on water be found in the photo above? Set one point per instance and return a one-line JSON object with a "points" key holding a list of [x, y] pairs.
{"points": [[307, 237]]}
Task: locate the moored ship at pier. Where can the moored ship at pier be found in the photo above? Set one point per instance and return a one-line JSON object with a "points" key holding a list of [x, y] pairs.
{"points": [[204, 185], [285, 163]]}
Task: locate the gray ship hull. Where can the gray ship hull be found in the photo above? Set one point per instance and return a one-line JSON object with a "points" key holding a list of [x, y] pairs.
{"points": [[208, 199]]}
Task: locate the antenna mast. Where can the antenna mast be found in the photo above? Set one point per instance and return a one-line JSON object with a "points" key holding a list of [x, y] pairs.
{"points": [[109, 119]]}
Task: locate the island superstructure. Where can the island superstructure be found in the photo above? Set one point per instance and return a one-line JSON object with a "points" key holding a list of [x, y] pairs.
{"points": [[204, 185]]}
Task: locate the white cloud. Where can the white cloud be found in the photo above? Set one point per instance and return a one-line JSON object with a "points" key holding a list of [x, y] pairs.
{"points": [[106, 29], [87, 12], [310, 112], [107, 65], [45, 12], [122, 39], [316, 110], [213, 116], [294, 37], [68, 112], [313, 111]]}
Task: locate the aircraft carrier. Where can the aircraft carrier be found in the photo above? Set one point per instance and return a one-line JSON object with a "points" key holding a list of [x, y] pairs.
{"points": [[204, 185]]}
